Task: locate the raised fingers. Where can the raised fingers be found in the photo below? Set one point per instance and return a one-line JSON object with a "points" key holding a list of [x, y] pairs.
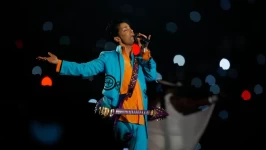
{"points": [[41, 58], [149, 37], [140, 34], [50, 54]]}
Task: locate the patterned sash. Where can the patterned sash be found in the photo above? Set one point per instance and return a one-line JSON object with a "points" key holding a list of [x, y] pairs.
{"points": [[131, 86]]}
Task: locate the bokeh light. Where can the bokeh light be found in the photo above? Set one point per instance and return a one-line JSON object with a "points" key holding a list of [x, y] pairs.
{"points": [[179, 60], [47, 26], [37, 70], [198, 147], [225, 4], [195, 16], [258, 89], [225, 64], [210, 79], [93, 101], [48, 134], [171, 27], [215, 89], [223, 114], [246, 95], [64, 40], [46, 81], [196, 82]]}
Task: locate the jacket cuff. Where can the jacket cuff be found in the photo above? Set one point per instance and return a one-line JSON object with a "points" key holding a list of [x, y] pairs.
{"points": [[146, 55], [58, 66]]}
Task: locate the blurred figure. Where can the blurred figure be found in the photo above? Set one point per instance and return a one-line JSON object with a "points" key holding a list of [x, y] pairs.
{"points": [[185, 125]]}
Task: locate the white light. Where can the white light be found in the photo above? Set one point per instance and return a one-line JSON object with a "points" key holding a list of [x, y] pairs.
{"points": [[179, 59], [224, 64], [94, 101]]}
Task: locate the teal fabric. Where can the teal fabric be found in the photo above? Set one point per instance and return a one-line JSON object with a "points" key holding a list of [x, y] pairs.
{"points": [[139, 141], [112, 64]]}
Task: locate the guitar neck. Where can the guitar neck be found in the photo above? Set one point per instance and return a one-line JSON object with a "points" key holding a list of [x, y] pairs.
{"points": [[131, 112]]}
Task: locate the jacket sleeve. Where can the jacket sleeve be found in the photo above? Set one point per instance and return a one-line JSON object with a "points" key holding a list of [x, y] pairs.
{"points": [[90, 68], [149, 66]]}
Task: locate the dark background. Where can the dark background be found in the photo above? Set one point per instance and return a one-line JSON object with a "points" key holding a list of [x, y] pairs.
{"points": [[236, 34]]}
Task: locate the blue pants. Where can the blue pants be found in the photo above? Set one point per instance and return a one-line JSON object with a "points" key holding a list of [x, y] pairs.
{"points": [[139, 141]]}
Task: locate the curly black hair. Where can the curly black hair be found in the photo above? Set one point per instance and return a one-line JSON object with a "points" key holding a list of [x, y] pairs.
{"points": [[113, 27]]}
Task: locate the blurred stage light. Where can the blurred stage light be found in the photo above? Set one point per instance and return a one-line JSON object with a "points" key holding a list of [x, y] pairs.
{"points": [[46, 81], [180, 60], [46, 133], [246, 95]]}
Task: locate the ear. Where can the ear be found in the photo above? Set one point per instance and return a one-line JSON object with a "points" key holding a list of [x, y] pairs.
{"points": [[117, 39]]}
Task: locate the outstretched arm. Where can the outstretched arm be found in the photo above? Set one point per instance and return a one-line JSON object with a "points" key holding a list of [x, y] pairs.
{"points": [[85, 69]]}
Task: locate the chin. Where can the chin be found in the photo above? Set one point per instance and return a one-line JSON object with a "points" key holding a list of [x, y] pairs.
{"points": [[130, 44], [133, 42]]}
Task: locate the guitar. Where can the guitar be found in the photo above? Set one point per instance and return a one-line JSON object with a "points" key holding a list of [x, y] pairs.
{"points": [[156, 113]]}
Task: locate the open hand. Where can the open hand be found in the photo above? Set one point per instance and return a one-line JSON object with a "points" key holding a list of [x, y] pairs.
{"points": [[51, 59]]}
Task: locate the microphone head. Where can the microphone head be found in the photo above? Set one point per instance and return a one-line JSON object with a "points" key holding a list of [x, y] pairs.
{"points": [[143, 40]]}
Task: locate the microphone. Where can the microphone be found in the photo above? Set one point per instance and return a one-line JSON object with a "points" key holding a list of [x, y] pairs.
{"points": [[144, 41]]}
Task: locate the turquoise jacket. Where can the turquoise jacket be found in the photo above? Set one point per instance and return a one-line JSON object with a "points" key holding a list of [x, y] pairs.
{"points": [[112, 64]]}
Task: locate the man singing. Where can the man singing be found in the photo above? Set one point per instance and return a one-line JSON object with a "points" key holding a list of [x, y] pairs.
{"points": [[120, 67]]}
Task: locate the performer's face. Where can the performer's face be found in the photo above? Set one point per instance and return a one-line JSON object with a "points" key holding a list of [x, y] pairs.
{"points": [[125, 35]]}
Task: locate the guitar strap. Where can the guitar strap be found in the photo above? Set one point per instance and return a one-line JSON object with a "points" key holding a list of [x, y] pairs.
{"points": [[132, 83], [131, 86]]}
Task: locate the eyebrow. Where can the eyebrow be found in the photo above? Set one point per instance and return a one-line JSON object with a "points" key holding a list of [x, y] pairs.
{"points": [[126, 26]]}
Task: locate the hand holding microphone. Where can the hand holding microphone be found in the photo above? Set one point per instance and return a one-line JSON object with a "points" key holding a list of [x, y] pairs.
{"points": [[143, 42]]}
